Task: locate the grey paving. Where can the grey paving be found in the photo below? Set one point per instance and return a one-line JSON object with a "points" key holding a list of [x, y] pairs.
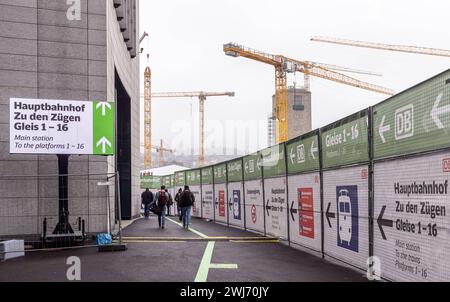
{"points": [[179, 261]]}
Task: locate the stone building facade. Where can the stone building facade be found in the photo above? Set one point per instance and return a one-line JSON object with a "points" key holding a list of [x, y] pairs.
{"points": [[87, 50]]}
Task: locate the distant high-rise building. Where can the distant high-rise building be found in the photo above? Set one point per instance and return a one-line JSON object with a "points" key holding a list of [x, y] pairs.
{"points": [[299, 113], [271, 131]]}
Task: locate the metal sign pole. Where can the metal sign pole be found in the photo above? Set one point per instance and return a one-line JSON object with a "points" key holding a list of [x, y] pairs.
{"points": [[63, 226]]}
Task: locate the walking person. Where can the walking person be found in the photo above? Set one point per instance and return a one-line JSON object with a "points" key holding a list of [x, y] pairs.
{"points": [[161, 200], [178, 201], [187, 202], [169, 202], [147, 199]]}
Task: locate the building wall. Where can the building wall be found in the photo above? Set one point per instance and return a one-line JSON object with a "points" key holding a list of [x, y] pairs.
{"points": [[44, 55], [119, 58]]}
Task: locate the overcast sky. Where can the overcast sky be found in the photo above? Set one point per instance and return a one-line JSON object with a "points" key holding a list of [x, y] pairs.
{"points": [[186, 54]]}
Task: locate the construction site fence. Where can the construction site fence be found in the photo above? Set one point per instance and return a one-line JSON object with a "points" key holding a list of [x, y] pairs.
{"points": [[370, 191], [30, 209]]}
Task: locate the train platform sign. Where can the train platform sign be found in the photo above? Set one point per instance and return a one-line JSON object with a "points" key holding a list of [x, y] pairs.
{"points": [[39, 126]]}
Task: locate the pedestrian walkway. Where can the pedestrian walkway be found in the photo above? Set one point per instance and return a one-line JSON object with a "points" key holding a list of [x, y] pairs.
{"points": [[207, 252]]}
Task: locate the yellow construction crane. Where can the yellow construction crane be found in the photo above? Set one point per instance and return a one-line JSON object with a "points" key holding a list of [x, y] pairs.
{"points": [[382, 46], [147, 118], [284, 65], [202, 96], [147, 110], [309, 65], [161, 149]]}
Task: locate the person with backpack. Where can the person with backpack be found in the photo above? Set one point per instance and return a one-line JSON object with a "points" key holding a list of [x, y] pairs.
{"points": [[178, 201], [169, 203], [147, 199], [187, 202], [161, 200]]}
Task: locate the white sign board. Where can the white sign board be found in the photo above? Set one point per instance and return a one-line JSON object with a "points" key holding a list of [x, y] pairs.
{"points": [[197, 208], [254, 205], [207, 201], [276, 207], [173, 208], [304, 210], [61, 127], [412, 228], [220, 203], [236, 204], [346, 223]]}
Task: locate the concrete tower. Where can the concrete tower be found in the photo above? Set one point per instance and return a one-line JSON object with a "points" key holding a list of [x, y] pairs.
{"points": [[299, 113]]}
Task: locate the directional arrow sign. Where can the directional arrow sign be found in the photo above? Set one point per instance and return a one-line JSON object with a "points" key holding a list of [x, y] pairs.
{"points": [[103, 106], [303, 154], [293, 211], [437, 111], [104, 142], [268, 208], [292, 156], [314, 150], [414, 121], [258, 164], [65, 127], [329, 215], [103, 129], [384, 223], [383, 129]]}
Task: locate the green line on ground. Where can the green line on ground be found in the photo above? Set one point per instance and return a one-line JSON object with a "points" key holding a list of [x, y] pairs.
{"points": [[202, 274], [190, 229]]}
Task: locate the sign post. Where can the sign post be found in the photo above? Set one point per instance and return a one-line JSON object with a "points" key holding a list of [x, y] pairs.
{"points": [[62, 128]]}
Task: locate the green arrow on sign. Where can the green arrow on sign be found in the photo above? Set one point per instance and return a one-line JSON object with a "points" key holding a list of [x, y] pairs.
{"points": [[103, 128]]}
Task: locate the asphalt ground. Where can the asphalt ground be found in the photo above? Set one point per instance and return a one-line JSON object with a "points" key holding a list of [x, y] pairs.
{"points": [[208, 252]]}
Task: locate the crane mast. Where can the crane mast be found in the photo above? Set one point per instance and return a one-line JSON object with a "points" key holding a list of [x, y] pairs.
{"points": [[147, 119], [161, 151]]}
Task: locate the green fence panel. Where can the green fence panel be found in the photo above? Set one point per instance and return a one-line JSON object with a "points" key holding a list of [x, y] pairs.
{"points": [[303, 153], [179, 179], [234, 169], [346, 141], [273, 159], [167, 181], [415, 120], [193, 177], [207, 176], [253, 166], [151, 182], [220, 174]]}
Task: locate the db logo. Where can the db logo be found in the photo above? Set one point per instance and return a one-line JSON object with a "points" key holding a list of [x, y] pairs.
{"points": [[254, 218], [446, 165], [364, 174]]}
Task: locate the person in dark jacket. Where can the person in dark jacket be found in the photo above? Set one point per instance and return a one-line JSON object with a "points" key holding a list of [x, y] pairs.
{"points": [[178, 201], [161, 199], [187, 202], [147, 199], [170, 202]]}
